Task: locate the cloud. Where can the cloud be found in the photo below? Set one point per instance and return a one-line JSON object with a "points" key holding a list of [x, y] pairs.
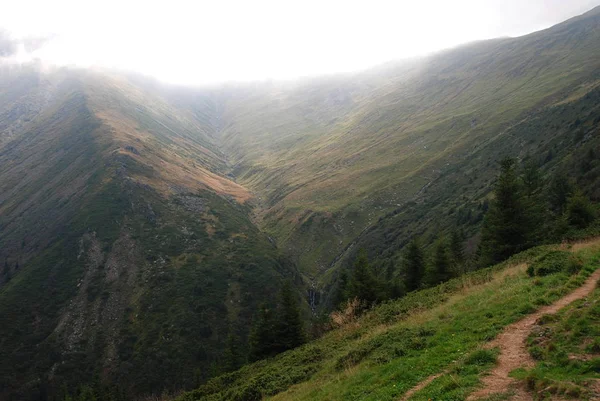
{"points": [[19, 50], [8, 45], [33, 43]]}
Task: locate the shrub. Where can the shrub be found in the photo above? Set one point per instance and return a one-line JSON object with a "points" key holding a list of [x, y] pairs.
{"points": [[481, 357], [555, 262], [580, 211], [347, 314]]}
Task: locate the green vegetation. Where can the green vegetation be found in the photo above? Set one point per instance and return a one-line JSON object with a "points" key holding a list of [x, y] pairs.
{"points": [[567, 351], [370, 161], [554, 262], [510, 225], [279, 329], [385, 352], [415, 266], [114, 284], [143, 225]]}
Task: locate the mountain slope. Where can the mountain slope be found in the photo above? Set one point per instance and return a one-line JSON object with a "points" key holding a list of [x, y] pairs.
{"points": [[443, 332], [126, 252], [141, 224], [329, 158]]}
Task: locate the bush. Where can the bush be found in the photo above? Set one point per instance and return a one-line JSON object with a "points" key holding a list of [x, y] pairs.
{"points": [[580, 211], [555, 262]]}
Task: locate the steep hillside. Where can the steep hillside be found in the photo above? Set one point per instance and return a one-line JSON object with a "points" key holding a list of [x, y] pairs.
{"points": [[332, 156], [433, 344], [141, 223], [128, 256]]}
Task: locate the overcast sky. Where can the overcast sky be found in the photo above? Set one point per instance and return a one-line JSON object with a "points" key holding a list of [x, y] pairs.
{"points": [[222, 40]]}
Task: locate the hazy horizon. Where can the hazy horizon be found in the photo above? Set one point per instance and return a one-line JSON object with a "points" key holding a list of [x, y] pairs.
{"points": [[198, 44]]}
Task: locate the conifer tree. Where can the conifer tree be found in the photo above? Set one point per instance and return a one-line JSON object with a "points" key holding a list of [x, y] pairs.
{"points": [[289, 329], [261, 340], [414, 266], [341, 295], [232, 358], [580, 212], [561, 188], [394, 287], [441, 268], [457, 252], [364, 285], [532, 178], [511, 224]]}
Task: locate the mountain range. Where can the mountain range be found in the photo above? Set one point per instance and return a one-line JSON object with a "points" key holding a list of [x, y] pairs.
{"points": [[142, 223]]}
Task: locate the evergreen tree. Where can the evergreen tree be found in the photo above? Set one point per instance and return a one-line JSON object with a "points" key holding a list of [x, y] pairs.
{"points": [[561, 188], [232, 358], [457, 252], [532, 178], [511, 224], [364, 285], [394, 287], [441, 268], [341, 295], [87, 393], [580, 211], [414, 266], [289, 329], [262, 340]]}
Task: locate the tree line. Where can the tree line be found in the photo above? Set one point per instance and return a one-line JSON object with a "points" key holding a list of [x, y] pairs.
{"points": [[524, 211]]}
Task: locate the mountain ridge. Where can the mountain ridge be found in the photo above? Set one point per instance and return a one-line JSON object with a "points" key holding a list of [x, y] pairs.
{"points": [[141, 223]]}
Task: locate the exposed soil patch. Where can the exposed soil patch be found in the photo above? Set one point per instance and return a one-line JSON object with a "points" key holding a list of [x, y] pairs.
{"points": [[420, 386], [513, 351]]}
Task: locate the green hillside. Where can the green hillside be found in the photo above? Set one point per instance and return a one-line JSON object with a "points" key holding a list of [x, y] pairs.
{"points": [[329, 157], [145, 227], [127, 257], [388, 351]]}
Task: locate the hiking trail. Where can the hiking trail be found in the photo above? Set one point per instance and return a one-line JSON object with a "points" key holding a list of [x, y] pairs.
{"points": [[512, 345]]}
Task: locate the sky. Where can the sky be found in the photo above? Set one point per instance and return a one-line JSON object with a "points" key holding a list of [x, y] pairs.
{"points": [[200, 42]]}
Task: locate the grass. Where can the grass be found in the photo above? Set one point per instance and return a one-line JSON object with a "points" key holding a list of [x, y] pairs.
{"points": [[366, 160], [329, 158], [399, 344], [567, 351]]}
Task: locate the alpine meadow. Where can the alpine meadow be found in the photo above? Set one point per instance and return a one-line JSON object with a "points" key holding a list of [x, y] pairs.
{"points": [[427, 229]]}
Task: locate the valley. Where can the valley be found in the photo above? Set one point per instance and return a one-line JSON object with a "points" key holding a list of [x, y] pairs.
{"points": [[144, 225]]}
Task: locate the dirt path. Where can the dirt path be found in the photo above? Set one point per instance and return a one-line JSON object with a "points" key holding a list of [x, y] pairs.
{"points": [[420, 386], [513, 351]]}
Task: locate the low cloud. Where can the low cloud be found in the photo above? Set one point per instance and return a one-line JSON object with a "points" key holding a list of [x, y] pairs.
{"points": [[8, 45], [11, 46]]}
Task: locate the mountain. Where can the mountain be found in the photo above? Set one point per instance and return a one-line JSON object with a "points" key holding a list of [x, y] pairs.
{"points": [[128, 254], [141, 223], [332, 157]]}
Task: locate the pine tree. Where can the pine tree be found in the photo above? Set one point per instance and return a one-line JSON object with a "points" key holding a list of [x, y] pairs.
{"points": [[561, 188], [414, 266], [341, 295], [394, 287], [532, 178], [261, 340], [232, 358], [289, 327], [441, 268], [511, 224], [579, 210], [457, 252], [364, 285]]}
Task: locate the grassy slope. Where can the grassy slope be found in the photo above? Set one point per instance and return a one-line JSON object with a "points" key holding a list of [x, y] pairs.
{"points": [[328, 158], [566, 347], [395, 346]]}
